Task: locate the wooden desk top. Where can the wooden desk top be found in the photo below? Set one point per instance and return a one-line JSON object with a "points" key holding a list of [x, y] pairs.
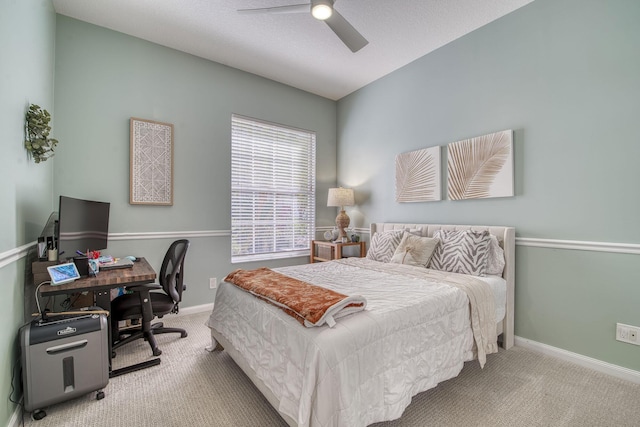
{"points": [[141, 272]]}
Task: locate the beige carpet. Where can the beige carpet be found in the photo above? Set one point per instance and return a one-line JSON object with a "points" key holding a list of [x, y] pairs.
{"points": [[192, 387]]}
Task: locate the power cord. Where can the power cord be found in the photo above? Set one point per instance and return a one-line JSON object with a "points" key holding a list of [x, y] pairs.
{"points": [[13, 389], [44, 315], [18, 402]]}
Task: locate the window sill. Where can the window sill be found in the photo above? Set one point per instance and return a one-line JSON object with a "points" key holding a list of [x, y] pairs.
{"points": [[270, 256]]}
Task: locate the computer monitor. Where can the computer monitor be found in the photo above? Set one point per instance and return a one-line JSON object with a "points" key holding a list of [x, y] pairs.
{"points": [[83, 225]]}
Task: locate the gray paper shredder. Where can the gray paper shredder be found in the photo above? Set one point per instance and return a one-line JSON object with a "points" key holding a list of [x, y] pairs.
{"points": [[63, 358]]}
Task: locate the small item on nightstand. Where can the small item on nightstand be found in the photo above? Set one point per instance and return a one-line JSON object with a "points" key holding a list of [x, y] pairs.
{"points": [[335, 233]]}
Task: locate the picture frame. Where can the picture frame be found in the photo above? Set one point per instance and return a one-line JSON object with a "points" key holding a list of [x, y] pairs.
{"points": [[481, 167], [418, 176], [151, 163]]}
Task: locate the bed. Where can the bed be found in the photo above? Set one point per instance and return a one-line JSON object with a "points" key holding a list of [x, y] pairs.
{"points": [[416, 331]]}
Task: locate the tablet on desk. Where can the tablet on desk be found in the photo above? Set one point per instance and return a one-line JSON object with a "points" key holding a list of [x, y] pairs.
{"points": [[63, 273]]}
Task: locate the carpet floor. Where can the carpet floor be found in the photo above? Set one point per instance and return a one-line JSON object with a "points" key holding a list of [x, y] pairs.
{"points": [[193, 387]]}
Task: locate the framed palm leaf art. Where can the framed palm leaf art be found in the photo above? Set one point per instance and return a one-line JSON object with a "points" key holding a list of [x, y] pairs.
{"points": [[481, 167], [418, 176], [151, 163]]}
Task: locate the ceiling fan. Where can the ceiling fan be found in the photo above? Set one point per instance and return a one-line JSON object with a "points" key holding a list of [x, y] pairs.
{"points": [[322, 10]]}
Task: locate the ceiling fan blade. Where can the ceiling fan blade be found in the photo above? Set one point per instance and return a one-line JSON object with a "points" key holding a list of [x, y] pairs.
{"points": [[293, 8], [349, 35]]}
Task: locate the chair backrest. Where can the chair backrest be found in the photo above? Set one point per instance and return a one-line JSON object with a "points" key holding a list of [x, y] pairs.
{"points": [[172, 270]]}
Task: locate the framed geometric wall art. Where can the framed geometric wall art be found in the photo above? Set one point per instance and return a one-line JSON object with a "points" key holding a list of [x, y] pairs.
{"points": [[418, 176], [481, 167], [151, 163]]}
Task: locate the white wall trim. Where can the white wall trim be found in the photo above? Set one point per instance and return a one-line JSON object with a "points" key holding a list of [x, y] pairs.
{"points": [[587, 362], [13, 255], [169, 234], [625, 248], [579, 245], [16, 419], [194, 309]]}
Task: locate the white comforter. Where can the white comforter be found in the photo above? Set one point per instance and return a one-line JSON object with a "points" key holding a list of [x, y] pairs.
{"points": [[413, 335]]}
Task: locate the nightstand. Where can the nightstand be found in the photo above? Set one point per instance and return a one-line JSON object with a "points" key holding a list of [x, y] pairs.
{"points": [[326, 251]]}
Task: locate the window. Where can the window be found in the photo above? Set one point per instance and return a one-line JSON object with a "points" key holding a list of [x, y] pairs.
{"points": [[272, 190]]}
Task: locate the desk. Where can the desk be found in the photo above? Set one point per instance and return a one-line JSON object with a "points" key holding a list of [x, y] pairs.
{"points": [[101, 285]]}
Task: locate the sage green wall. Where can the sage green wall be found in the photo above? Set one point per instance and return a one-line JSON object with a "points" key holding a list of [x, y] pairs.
{"points": [[27, 29], [565, 76], [104, 77]]}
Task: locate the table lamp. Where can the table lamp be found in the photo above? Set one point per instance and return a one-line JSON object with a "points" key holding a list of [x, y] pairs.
{"points": [[341, 197]]}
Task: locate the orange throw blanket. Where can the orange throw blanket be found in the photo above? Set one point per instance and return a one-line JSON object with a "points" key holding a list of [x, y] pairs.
{"points": [[311, 305]]}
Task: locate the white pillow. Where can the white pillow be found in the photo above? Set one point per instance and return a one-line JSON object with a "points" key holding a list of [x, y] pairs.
{"points": [[495, 258], [414, 250], [383, 245], [415, 231]]}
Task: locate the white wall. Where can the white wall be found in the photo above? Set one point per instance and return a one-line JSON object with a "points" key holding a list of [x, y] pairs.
{"points": [[103, 78], [27, 34], [564, 76]]}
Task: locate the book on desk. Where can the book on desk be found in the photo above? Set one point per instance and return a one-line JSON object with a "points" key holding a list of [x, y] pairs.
{"points": [[117, 264]]}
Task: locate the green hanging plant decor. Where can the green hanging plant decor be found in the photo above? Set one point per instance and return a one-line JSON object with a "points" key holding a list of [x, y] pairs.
{"points": [[37, 142]]}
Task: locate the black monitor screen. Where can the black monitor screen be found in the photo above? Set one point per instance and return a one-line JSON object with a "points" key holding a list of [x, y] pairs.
{"points": [[82, 225]]}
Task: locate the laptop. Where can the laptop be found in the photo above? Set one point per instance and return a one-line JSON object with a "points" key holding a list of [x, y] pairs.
{"points": [[119, 263]]}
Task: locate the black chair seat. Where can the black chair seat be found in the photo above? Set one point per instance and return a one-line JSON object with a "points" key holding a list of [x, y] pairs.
{"points": [[145, 305], [128, 305]]}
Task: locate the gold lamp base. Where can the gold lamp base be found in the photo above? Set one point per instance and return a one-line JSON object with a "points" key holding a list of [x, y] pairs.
{"points": [[342, 221]]}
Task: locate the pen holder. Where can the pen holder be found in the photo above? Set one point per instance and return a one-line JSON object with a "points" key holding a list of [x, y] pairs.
{"points": [[94, 267], [52, 254]]}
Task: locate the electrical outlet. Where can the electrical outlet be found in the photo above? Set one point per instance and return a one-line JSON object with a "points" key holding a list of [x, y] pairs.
{"points": [[213, 282], [627, 333]]}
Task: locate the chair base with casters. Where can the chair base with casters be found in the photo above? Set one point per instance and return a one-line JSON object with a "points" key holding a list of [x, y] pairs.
{"points": [[128, 307]]}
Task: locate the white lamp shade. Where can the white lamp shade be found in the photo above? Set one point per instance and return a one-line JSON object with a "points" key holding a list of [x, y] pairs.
{"points": [[340, 197]]}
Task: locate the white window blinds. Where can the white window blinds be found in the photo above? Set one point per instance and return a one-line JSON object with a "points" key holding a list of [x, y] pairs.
{"points": [[272, 190]]}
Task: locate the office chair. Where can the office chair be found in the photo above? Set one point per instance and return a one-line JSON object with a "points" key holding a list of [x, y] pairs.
{"points": [[143, 305]]}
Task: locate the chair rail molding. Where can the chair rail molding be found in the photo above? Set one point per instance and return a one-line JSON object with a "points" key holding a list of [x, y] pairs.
{"points": [[168, 234], [579, 245], [15, 254]]}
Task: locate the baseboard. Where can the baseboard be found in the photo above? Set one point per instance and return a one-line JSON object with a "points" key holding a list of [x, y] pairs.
{"points": [[184, 311], [588, 362], [16, 417]]}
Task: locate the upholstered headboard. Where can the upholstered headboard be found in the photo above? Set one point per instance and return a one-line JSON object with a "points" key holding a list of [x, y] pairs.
{"points": [[506, 237]]}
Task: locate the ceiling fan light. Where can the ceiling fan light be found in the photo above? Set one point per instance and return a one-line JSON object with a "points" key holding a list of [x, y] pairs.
{"points": [[321, 9]]}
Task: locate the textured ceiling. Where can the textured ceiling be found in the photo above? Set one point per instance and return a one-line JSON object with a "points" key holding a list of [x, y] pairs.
{"points": [[296, 49]]}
